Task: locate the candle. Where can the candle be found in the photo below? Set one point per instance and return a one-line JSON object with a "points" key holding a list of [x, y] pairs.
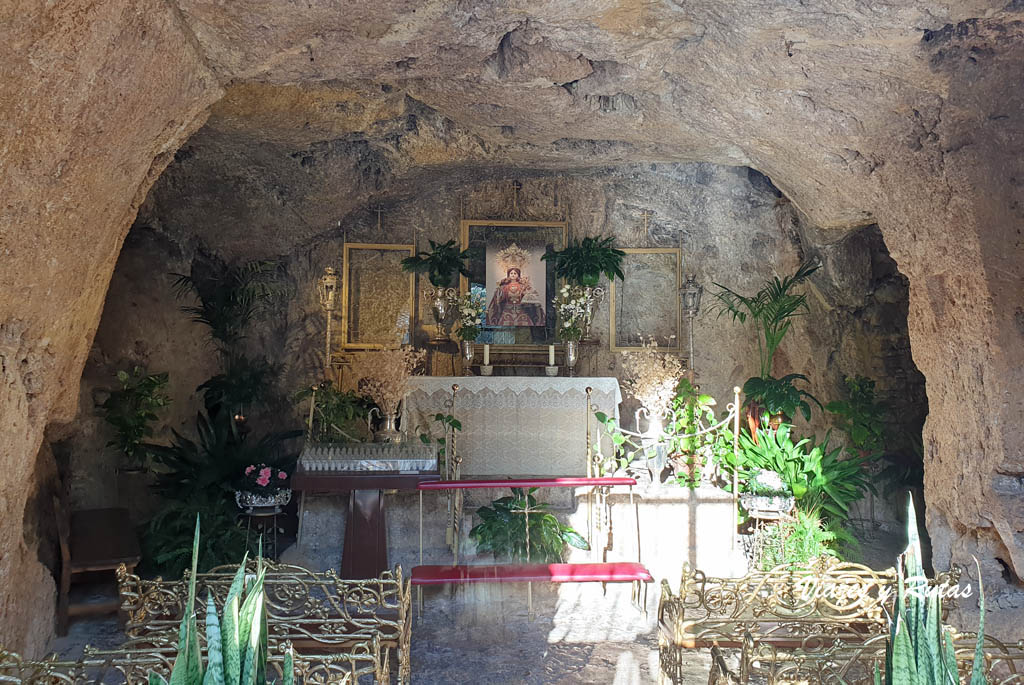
{"points": [[487, 355], [551, 355]]}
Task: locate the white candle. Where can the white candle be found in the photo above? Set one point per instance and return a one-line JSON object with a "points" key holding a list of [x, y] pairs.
{"points": [[487, 355], [551, 355]]}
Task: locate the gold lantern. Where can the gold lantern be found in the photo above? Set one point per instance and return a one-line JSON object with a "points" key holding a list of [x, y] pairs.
{"points": [[327, 291]]}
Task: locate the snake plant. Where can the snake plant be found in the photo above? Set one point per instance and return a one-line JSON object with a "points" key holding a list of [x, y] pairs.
{"points": [[920, 649], [236, 643]]}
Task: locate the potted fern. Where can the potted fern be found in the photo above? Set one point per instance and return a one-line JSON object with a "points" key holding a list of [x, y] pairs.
{"points": [[583, 261], [442, 263]]}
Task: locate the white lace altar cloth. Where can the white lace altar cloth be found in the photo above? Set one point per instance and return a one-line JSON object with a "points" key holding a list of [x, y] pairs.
{"points": [[514, 425]]}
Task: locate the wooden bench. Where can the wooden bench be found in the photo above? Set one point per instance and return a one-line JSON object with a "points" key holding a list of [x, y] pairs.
{"points": [[316, 612]]}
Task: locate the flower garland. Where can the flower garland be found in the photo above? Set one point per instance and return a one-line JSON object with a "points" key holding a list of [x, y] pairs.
{"points": [[471, 308]]}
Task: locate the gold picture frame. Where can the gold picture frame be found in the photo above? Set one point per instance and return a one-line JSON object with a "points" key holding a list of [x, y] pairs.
{"points": [[488, 238], [655, 274], [378, 297]]}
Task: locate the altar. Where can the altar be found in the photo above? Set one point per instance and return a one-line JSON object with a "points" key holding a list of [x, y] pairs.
{"points": [[514, 425]]}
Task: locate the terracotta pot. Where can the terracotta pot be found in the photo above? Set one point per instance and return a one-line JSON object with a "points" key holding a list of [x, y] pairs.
{"points": [[754, 413]]}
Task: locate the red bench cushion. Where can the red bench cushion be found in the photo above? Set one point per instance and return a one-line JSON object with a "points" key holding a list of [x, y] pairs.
{"points": [[617, 572], [523, 483]]}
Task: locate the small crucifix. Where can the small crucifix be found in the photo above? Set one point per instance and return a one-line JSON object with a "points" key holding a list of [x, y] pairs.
{"points": [[516, 187], [380, 221], [647, 214]]}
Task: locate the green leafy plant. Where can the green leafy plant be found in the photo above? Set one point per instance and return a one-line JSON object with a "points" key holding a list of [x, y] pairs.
{"points": [[246, 381], [583, 261], [337, 416], [796, 541], [777, 397], [502, 530], [167, 538], [446, 422], [236, 644], [771, 309], [441, 263], [132, 409], [230, 296], [216, 460], [819, 477], [920, 649], [861, 416]]}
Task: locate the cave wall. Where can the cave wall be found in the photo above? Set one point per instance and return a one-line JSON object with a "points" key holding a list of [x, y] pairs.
{"points": [[86, 129], [906, 116], [731, 224]]}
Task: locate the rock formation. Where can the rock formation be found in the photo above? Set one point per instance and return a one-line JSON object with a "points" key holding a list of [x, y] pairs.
{"points": [[908, 115]]}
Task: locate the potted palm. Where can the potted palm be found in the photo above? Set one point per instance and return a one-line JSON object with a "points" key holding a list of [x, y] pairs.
{"points": [[771, 309], [441, 264], [583, 261]]}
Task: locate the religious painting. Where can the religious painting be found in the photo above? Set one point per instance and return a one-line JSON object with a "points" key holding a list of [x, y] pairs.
{"points": [[513, 298], [519, 288], [645, 304], [377, 296]]}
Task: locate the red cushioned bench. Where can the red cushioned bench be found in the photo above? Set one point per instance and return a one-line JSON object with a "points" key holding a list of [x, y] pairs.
{"points": [[523, 483], [615, 572]]}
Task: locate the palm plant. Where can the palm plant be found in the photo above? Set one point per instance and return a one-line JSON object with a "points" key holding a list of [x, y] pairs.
{"points": [[230, 296], [583, 261], [440, 264], [772, 309]]}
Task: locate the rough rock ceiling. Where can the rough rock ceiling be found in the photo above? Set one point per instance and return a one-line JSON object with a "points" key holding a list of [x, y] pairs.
{"points": [[814, 94]]}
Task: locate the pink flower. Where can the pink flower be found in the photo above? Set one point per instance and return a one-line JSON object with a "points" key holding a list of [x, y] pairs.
{"points": [[282, 475], [249, 469], [265, 472], [263, 481]]}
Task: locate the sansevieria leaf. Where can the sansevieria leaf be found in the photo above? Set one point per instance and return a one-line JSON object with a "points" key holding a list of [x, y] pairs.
{"points": [[214, 646], [230, 629]]}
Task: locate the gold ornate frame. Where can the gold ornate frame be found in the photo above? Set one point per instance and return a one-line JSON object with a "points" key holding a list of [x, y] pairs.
{"points": [[464, 238], [346, 343], [611, 299]]}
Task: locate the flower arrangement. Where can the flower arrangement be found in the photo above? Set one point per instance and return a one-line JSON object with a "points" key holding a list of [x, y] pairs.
{"points": [[383, 375], [263, 479], [651, 377], [768, 484], [471, 308], [574, 306]]}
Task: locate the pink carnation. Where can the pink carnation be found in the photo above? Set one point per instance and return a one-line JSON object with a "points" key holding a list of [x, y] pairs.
{"points": [[265, 472], [263, 481], [282, 475], [249, 469]]}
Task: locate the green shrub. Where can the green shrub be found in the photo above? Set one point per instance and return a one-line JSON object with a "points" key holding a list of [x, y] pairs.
{"points": [[502, 530], [132, 409], [796, 541]]}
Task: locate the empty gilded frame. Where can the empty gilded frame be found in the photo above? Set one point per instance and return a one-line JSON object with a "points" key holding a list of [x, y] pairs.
{"points": [[378, 297], [645, 304]]}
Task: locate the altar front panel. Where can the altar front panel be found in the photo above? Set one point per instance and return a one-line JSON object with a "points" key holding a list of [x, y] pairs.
{"points": [[514, 425]]}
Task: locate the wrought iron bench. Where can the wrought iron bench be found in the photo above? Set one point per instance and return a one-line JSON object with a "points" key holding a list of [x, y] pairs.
{"points": [[316, 612], [843, 663], [791, 607], [132, 663]]}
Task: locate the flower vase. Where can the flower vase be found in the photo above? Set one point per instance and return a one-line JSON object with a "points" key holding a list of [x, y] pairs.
{"points": [[593, 298], [441, 302], [572, 353], [388, 432], [467, 357]]}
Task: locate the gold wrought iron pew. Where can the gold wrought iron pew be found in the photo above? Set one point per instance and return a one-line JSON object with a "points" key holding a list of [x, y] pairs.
{"points": [[316, 612], [132, 662], [791, 609]]}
